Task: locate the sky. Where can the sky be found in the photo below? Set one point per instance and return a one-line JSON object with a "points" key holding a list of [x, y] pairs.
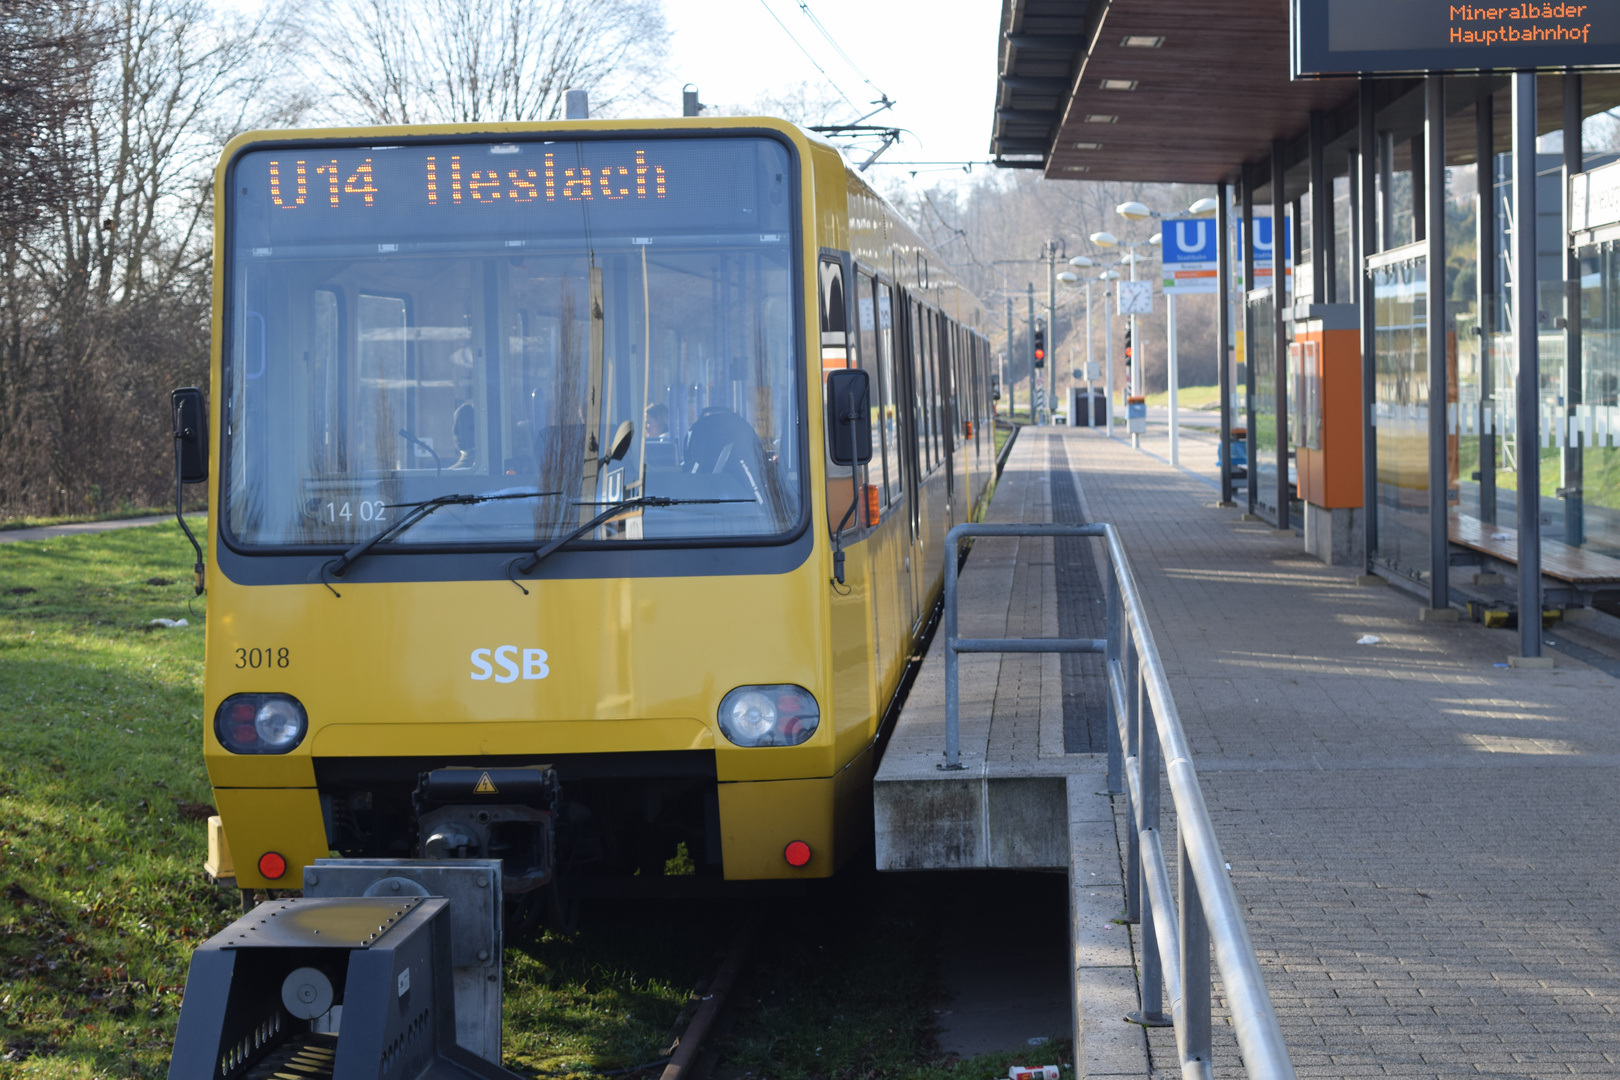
{"points": [[936, 59]]}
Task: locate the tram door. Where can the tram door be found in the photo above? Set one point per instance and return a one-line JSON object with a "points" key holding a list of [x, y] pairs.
{"points": [[912, 434]]}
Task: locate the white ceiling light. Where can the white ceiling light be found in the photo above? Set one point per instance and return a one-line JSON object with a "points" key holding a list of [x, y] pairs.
{"points": [[1119, 84], [1100, 118], [1141, 41], [1088, 146]]}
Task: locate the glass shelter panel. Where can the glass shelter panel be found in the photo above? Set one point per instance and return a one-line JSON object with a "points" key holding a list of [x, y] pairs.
{"points": [[565, 325], [1596, 419], [1263, 439], [1401, 414]]}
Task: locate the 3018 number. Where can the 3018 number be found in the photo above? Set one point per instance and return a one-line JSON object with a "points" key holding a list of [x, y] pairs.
{"points": [[269, 657]]}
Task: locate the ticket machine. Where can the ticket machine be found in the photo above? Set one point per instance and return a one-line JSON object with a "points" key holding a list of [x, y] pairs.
{"points": [[1324, 370]]}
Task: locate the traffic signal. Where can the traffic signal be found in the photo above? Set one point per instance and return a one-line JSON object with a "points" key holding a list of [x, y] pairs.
{"points": [[1127, 346], [1040, 345]]}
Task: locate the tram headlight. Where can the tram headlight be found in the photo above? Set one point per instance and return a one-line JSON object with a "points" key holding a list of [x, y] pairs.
{"points": [[260, 723], [776, 715]]}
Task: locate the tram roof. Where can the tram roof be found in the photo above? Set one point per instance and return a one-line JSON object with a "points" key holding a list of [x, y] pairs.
{"points": [[1210, 91]]}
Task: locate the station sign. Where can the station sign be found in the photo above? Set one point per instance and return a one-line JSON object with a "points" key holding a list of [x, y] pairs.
{"points": [[1414, 37], [1188, 250], [1263, 248], [1594, 198]]}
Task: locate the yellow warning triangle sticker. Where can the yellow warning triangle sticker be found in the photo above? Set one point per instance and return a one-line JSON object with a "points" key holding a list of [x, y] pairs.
{"points": [[485, 786]]}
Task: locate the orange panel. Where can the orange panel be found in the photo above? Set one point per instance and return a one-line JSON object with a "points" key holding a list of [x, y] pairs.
{"points": [[1331, 477]]}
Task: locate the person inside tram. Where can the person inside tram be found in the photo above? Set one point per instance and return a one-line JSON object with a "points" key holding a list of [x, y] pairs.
{"points": [[661, 448]]}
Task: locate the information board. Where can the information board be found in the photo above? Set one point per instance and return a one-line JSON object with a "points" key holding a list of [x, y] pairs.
{"points": [[1413, 37], [1189, 248]]}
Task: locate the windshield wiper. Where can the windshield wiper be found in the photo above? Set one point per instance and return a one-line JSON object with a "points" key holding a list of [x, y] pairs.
{"points": [[526, 566], [419, 510]]}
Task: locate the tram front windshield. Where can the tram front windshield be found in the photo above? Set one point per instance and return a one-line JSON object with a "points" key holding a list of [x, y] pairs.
{"points": [[569, 324]]}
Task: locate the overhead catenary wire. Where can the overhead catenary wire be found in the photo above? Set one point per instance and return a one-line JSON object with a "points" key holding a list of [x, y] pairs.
{"points": [[853, 66], [807, 55]]}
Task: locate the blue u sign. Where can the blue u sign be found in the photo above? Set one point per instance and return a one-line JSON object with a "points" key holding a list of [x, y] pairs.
{"points": [[1189, 240]]}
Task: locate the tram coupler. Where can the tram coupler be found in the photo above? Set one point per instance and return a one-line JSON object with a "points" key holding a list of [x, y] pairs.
{"points": [[327, 989], [497, 813]]}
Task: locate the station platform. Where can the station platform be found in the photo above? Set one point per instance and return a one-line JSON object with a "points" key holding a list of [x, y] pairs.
{"points": [[1417, 832]]}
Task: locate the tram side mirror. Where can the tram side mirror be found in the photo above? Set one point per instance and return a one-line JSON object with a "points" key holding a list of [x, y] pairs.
{"points": [[190, 434], [849, 417], [620, 445]]}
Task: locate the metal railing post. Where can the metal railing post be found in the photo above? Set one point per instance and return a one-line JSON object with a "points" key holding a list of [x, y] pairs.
{"points": [[953, 735], [1201, 924], [1147, 741], [1116, 755], [1194, 952], [1133, 843]]}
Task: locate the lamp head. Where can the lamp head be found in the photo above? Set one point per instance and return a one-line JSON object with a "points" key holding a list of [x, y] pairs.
{"points": [[1134, 211], [1068, 277], [1104, 239], [1203, 208], [1080, 260]]}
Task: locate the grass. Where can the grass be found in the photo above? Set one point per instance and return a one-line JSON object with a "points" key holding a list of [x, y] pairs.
{"points": [[103, 798], [1189, 397]]}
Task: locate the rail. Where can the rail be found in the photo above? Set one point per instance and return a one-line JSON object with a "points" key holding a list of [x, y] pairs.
{"points": [[1145, 738]]}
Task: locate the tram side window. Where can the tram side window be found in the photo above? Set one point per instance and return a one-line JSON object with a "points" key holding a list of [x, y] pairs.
{"points": [[871, 360], [935, 397], [919, 387], [951, 425], [891, 383], [843, 481]]}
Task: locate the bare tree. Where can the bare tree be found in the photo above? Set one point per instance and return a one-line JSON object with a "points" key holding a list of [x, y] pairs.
{"points": [[447, 61], [106, 297], [47, 47]]}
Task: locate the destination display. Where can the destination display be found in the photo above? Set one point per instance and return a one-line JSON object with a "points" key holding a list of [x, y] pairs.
{"points": [[1413, 37], [513, 192]]}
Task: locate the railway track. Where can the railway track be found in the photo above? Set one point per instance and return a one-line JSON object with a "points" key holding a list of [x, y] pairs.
{"points": [[690, 1056]]}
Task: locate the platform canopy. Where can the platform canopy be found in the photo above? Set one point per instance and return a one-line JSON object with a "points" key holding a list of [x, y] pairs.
{"points": [[1178, 91]]}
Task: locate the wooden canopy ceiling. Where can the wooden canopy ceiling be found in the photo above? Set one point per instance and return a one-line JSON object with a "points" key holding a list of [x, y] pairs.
{"points": [[1188, 90]]}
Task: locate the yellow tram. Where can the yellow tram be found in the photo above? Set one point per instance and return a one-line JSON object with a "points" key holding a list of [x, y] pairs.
{"points": [[528, 540]]}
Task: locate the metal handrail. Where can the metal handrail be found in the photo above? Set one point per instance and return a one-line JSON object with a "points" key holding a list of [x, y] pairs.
{"points": [[1177, 932]]}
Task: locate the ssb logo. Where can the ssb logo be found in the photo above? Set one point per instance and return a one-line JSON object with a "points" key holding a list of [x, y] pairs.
{"points": [[532, 664]]}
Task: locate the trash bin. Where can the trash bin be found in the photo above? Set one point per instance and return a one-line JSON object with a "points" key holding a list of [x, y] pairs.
{"points": [[1136, 415]]}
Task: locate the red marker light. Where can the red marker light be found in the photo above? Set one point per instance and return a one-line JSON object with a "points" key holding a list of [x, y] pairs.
{"points": [[272, 865], [797, 853]]}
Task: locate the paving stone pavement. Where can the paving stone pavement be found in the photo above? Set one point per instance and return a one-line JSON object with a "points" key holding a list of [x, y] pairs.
{"points": [[1423, 841]]}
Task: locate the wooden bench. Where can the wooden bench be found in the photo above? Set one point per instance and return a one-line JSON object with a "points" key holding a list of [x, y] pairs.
{"points": [[1579, 573]]}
